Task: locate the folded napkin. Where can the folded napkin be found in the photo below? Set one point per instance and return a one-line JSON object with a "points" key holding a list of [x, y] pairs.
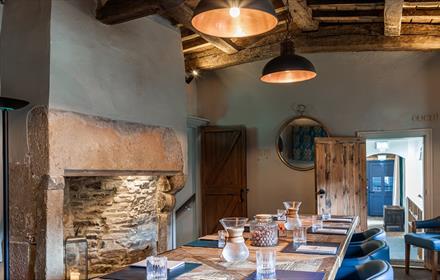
{"points": [[313, 248], [289, 275], [331, 231], [170, 264], [317, 249], [340, 220], [336, 225]]}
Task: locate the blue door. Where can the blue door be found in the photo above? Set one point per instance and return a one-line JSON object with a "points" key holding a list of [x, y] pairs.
{"points": [[380, 185]]}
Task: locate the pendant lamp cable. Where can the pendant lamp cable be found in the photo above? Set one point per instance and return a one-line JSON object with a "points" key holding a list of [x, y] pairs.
{"points": [[289, 21], [288, 44]]}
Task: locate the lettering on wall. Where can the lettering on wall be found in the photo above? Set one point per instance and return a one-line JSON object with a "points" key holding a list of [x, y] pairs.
{"points": [[426, 117]]}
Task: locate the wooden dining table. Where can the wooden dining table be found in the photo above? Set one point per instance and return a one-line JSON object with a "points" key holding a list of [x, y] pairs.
{"points": [[212, 266]]}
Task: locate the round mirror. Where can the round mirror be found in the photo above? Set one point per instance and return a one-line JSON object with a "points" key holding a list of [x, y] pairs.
{"points": [[296, 142]]}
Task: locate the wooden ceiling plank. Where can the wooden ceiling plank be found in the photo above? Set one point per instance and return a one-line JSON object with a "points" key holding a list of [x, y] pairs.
{"points": [[347, 13], [119, 11], [302, 15], [393, 17], [430, 4], [361, 37], [190, 37], [348, 16], [342, 2], [348, 7], [421, 15], [427, 13], [183, 14], [353, 19], [196, 47]]}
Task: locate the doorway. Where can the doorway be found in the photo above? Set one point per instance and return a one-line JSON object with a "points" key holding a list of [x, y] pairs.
{"points": [[399, 171], [380, 179]]}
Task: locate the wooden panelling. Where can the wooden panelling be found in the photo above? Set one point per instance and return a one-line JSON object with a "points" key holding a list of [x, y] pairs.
{"points": [[341, 172]]}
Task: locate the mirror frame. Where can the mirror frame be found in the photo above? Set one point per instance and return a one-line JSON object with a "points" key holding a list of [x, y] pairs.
{"points": [[283, 126]]}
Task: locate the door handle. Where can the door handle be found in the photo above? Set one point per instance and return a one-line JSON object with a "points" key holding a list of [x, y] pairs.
{"points": [[320, 192], [242, 191]]}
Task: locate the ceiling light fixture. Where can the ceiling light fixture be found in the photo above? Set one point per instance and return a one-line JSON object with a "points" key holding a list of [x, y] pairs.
{"points": [[234, 18], [189, 77], [288, 67]]}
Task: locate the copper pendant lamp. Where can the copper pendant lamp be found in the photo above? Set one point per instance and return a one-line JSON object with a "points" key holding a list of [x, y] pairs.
{"points": [[234, 18], [288, 67]]}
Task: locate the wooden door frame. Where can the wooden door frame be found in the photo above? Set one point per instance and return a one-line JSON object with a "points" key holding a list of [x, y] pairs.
{"points": [[426, 133], [194, 123]]}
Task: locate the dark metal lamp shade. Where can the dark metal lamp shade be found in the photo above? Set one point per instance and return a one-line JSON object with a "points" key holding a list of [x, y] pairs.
{"points": [[234, 18], [288, 67]]}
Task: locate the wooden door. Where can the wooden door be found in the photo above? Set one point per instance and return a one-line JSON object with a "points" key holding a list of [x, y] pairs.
{"points": [[223, 175], [341, 177]]}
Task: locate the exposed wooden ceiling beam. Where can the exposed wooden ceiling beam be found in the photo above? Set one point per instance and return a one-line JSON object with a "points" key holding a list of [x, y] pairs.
{"points": [[393, 17], [361, 37], [302, 15], [119, 11], [183, 14]]}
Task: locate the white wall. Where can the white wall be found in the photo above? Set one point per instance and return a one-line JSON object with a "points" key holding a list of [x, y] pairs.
{"points": [[132, 71], [24, 62], [353, 92]]}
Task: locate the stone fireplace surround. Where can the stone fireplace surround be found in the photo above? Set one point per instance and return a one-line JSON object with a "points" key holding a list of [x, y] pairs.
{"points": [[65, 147]]}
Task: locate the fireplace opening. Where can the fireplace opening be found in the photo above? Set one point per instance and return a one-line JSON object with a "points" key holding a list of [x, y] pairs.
{"points": [[117, 216]]}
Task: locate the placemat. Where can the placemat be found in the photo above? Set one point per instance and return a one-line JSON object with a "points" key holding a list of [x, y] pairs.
{"points": [[289, 275], [139, 273], [309, 231], [291, 248], [203, 243]]}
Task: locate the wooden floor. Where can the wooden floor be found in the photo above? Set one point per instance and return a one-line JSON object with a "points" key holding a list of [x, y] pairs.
{"points": [[415, 274]]}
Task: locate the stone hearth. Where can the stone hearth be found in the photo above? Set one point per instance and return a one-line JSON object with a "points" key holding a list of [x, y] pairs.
{"points": [[111, 181]]}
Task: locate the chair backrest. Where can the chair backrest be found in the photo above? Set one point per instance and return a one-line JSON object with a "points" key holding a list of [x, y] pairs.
{"points": [[375, 270], [376, 249], [427, 224], [370, 234]]}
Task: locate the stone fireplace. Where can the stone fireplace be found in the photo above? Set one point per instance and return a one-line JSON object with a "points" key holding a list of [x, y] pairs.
{"points": [[112, 182]]}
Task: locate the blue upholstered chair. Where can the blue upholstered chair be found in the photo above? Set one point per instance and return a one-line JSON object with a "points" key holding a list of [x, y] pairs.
{"points": [[361, 254], [370, 234], [427, 240], [372, 270]]}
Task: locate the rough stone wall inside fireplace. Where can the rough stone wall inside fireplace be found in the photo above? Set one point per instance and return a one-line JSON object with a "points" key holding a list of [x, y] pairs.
{"points": [[117, 215]]}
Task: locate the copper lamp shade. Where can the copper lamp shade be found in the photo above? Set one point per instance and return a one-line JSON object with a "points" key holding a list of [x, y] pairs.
{"points": [[288, 67], [234, 18]]}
